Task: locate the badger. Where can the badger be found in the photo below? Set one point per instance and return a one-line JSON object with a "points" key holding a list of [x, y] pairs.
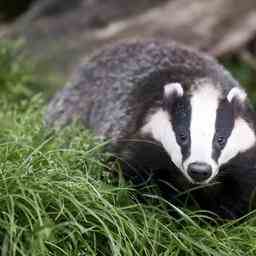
{"points": [[172, 113]]}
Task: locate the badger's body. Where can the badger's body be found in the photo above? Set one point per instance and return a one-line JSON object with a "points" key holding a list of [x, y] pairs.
{"points": [[172, 113]]}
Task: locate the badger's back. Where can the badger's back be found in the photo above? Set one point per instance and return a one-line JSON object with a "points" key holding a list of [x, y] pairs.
{"points": [[114, 90]]}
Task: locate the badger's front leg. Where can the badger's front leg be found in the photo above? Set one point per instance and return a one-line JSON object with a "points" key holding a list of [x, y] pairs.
{"points": [[240, 188], [233, 195], [140, 157]]}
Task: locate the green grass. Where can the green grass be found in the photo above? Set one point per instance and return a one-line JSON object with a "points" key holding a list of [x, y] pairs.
{"points": [[19, 78], [57, 197]]}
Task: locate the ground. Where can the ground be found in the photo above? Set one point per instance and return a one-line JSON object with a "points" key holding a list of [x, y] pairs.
{"points": [[57, 198]]}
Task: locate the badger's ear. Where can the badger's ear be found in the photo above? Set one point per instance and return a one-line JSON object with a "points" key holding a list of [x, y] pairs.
{"points": [[237, 94], [172, 92], [173, 89]]}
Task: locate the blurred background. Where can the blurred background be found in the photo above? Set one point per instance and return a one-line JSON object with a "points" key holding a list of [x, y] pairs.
{"points": [[51, 37]]}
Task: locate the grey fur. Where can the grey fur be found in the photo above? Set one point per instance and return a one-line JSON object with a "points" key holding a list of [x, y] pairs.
{"points": [[115, 89]]}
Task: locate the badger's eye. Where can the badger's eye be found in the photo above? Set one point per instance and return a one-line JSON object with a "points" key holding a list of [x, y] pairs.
{"points": [[183, 137], [220, 141]]}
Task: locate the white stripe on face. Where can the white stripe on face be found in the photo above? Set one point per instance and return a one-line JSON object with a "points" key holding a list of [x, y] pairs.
{"points": [[241, 139], [160, 127], [204, 104]]}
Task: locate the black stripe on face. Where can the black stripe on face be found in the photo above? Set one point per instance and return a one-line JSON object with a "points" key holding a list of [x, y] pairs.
{"points": [[224, 125], [180, 114]]}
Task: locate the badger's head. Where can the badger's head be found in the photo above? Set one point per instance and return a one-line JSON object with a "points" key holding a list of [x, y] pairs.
{"points": [[202, 129]]}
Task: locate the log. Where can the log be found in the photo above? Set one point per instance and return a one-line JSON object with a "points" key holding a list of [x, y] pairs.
{"points": [[218, 27]]}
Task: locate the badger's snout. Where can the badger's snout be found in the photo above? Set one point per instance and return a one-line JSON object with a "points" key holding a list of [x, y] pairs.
{"points": [[199, 172]]}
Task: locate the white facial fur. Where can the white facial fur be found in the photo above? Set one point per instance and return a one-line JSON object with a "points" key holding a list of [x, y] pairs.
{"points": [[204, 104], [160, 127], [241, 139]]}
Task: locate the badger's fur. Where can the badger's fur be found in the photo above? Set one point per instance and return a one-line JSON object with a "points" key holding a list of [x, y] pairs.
{"points": [[172, 113]]}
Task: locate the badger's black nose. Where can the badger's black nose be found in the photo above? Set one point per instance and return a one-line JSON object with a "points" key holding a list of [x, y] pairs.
{"points": [[199, 171]]}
